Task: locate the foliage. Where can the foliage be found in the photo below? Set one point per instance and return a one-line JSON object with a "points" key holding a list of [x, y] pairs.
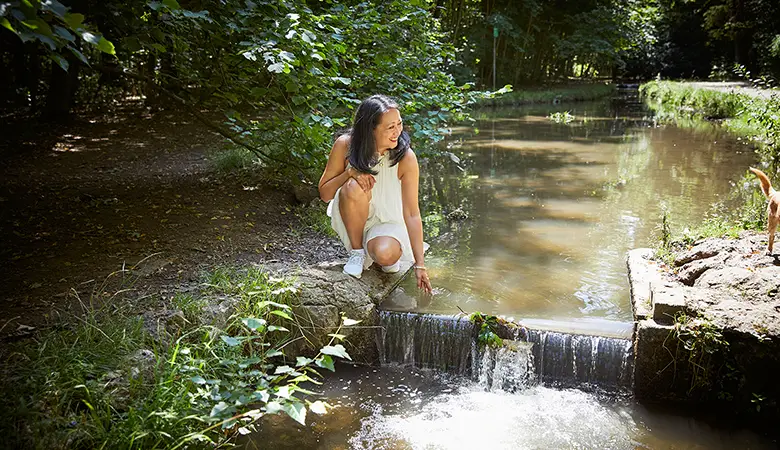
{"points": [[315, 218], [750, 116], [487, 336], [51, 23], [81, 384], [554, 94], [702, 342]]}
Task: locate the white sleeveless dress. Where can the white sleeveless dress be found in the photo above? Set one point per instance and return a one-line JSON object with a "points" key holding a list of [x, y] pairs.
{"points": [[385, 212]]}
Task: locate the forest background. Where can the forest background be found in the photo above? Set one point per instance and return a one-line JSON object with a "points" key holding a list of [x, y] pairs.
{"points": [[287, 74]]}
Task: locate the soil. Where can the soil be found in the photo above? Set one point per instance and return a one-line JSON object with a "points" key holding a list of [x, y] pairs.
{"points": [[131, 200]]}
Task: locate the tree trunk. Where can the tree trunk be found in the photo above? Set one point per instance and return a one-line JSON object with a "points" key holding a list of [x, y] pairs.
{"points": [[62, 89]]}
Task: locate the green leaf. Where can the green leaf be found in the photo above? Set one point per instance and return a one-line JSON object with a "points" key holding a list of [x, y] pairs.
{"points": [[335, 350], [281, 314], [63, 63], [326, 362], [297, 411], [276, 328], [90, 37], [276, 67], [198, 379], [280, 370], [345, 81], [64, 33], [318, 407], [273, 407], [291, 86], [231, 341], [253, 323], [6, 24], [302, 361], [218, 409], [74, 20], [79, 55], [261, 395], [349, 322], [337, 336], [273, 352], [284, 391], [171, 4], [55, 7], [106, 46]]}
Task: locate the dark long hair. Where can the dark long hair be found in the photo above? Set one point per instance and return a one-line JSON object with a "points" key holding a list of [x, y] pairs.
{"points": [[362, 146]]}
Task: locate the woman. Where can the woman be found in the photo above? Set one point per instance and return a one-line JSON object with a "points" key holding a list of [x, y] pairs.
{"points": [[372, 178]]}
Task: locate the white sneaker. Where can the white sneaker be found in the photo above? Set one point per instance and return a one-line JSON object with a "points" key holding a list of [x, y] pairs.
{"points": [[354, 266], [392, 268]]}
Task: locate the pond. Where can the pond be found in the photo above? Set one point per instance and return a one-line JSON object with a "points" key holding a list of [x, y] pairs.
{"points": [[532, 219], [536, 218]]}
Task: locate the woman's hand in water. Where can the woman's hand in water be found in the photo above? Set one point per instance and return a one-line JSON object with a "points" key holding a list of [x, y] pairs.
{"points": [[365, 180], [423, 282]]}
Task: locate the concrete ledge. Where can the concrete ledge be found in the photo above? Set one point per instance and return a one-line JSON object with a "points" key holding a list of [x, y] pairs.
{"points": [[666, 302], [642, 270]]}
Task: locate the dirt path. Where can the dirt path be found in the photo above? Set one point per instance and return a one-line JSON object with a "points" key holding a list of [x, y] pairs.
{"points": [[81, 201]]}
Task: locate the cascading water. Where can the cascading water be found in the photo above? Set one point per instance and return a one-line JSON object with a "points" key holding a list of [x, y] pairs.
{"points": [[447, 343], [427, 341]]}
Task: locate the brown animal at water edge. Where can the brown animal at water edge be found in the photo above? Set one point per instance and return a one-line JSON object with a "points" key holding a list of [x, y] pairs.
{"points": [[772, 209]]}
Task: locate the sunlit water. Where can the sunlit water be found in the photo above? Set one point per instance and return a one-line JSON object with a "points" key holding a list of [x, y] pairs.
{"points": [[553, 208], [405, 408]]}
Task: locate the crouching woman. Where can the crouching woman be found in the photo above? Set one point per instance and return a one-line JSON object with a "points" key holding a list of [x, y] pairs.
{"points": [[371, 181]]}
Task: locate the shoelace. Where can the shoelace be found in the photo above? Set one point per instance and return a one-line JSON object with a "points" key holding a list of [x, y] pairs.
{"points": [[356, 258]]}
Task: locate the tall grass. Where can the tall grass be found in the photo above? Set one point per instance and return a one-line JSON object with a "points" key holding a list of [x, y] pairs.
{"points": [[100, 380]]}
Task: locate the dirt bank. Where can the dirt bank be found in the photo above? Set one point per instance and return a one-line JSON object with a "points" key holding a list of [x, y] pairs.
{"points": [[82, 200]]}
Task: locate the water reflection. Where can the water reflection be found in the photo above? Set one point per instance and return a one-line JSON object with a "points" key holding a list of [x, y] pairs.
{"points": [[553, 208]]}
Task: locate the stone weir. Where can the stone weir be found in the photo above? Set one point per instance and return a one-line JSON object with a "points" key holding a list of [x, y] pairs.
{"points": [[448, 343], [708, 327]]}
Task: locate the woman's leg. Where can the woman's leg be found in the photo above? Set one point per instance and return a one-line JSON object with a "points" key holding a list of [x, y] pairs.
{"points": [[385, 250], [353, 207]]}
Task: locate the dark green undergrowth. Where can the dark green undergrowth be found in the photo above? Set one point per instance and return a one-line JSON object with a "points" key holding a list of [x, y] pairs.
{"points": [[562, 94], [99, 379]]}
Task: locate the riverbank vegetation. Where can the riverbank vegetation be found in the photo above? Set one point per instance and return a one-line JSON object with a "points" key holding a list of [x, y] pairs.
{"points": [[752, 116], [183, 373]]}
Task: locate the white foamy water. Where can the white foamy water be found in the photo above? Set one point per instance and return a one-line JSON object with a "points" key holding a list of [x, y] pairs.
{"points": [[535, 418]]}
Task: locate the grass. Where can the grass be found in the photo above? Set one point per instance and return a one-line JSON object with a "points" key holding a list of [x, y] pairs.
{"points": [[562, 94], [315, 218], [750, 117], [99, 380], [232, 159]]}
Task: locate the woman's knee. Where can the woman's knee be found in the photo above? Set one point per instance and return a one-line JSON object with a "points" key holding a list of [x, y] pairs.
{"points": [[386, 251], [352, 191]]}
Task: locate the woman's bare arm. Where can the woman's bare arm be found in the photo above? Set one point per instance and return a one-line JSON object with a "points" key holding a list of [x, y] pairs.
{"points": [[336, 173], [409, 173]]}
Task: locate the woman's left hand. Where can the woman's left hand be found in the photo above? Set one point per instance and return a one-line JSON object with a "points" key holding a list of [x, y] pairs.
{"points": [[423, 282]]}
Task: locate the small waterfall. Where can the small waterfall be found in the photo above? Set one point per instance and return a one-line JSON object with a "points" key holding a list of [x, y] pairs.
{"points": [[447, 343], [570, 360], [428, 341], [509, 368]]}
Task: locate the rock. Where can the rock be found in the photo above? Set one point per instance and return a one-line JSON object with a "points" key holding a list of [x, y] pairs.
{"points": [[142, 364], [162, 325], [703, 250], [667, 301], [305, 193]]}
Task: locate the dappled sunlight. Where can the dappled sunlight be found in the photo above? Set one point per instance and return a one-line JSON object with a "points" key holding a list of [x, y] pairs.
{"points": [[554, 208]]}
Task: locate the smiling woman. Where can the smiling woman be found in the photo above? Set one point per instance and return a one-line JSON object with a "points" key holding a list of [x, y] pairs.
{"points": [[371, 181]]}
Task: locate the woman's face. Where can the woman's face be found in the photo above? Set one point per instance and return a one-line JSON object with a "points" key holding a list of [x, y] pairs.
{"points": [[388, 130]]}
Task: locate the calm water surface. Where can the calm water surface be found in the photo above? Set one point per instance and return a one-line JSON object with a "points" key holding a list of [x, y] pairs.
{"points": [[553, 208]]}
